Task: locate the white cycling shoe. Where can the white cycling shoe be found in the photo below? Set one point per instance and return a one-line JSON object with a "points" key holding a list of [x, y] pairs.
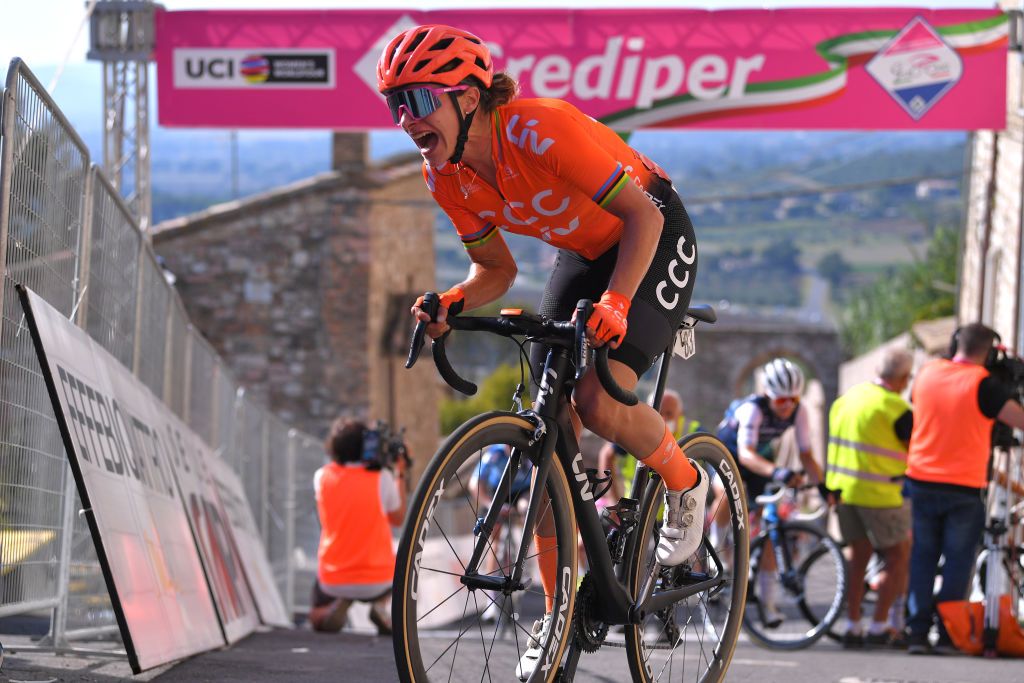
{"points": [[683, 527], [534, 648]]}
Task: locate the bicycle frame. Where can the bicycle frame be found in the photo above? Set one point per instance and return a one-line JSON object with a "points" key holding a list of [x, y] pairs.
{"points": [[552, 418]]}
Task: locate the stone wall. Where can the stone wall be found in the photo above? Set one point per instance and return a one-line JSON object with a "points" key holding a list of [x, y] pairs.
{"points": [[403, 215], [990, 269], [292, 289]]}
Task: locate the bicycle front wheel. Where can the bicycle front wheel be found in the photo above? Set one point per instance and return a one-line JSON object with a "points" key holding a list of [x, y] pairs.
{"points": [[795, 604], [694, 639], [441, 631]]}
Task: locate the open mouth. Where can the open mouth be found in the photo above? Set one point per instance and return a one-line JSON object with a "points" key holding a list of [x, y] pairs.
{"points": [[426, 142]]}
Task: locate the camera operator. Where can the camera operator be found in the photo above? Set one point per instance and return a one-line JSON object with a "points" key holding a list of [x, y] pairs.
{"points": [[358, 499], [956, 404]]}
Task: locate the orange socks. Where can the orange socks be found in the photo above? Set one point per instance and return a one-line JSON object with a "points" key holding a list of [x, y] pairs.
{"points": [[547, 558], [668, 461]]}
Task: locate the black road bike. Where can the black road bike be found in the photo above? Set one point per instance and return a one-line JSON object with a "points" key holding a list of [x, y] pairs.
{"points": [[679, 623]]}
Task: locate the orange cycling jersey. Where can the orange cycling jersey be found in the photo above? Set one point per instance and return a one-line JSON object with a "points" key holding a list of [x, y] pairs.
{"points": [[557, 170]]}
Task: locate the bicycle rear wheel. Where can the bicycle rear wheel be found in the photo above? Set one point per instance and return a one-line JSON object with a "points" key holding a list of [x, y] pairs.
{"points": [[809, 594], [439, 630], [694, 639]]}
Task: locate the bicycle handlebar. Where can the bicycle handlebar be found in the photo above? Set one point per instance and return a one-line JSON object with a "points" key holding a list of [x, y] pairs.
{"points": [[778, 491], [567, 335]]}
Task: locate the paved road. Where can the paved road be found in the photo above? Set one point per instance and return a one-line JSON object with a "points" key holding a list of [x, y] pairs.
{"points": [[300, 655]]}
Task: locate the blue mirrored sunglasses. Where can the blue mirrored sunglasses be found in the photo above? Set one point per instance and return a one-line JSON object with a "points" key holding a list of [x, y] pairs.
{"points": [[419, 101]]}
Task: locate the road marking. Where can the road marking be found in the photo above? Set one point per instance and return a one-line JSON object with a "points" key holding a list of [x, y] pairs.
{"points": [[772, 662]]}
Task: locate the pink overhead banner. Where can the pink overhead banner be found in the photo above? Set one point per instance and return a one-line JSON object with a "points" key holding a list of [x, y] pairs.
{"points": [[899, 68]]}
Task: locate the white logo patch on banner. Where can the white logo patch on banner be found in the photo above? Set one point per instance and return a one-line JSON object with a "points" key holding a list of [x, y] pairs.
{"points": [[917, 67]]}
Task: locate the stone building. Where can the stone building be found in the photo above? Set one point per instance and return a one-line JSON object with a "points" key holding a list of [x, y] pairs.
{"points": [[304, 290], [990, 270]]}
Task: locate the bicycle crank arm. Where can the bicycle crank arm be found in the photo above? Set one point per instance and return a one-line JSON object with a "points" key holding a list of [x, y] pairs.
{"points": [[493, 583], [662, 599]]}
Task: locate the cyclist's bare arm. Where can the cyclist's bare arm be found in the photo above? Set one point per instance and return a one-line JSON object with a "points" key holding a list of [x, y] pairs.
{"points": [[754, 462], [642, 223], [491, 274], [811, 467]]}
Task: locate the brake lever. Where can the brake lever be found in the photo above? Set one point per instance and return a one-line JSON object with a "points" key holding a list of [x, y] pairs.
{"points": [[431, 302]]}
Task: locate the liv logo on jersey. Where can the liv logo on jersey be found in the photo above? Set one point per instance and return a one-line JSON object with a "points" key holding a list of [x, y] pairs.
{"points": [[917, 67]]}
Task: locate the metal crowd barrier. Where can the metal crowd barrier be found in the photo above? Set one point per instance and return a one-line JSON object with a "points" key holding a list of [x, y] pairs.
{"points": [[67, 234]]}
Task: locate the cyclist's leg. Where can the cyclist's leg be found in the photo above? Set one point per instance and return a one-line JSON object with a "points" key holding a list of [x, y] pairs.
{"points": [[657, 310], [547, 559]]}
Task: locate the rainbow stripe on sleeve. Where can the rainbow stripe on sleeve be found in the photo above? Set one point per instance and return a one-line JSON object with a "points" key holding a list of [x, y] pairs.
{"points": [[611, 187], [480, 237]]}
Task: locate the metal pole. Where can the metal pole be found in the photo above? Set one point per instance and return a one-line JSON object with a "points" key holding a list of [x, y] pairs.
{"points": [[8, 112], [80, 295], [140, 290], [289, 521], [59, 621], [143, 180], [27, 606], [233, 141], [265, 479]]}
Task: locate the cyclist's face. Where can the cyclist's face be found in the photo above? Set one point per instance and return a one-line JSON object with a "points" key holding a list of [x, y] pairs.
{"points": [[435, 134], [784, 407]]}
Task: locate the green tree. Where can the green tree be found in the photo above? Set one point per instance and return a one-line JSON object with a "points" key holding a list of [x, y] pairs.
{"points": [[834, 268], [782, 254], [903, 296], [494, 393]]}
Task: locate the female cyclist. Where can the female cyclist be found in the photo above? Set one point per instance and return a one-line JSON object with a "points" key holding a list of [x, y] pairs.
{"points": [[541, 167]]}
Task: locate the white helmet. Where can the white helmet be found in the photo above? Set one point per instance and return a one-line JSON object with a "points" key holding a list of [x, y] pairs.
{"points": [[783, 379]]}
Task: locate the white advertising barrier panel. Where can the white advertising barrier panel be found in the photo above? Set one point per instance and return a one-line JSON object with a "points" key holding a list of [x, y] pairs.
{"points": [[115, 435], [250, 548], [210, 528]]}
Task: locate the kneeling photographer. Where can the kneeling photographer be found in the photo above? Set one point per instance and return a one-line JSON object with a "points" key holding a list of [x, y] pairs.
{"points": [[360, 495], [957, 403]]}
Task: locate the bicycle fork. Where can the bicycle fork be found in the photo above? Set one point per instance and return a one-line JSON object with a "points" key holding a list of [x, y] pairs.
{"points": [[471, 578]]}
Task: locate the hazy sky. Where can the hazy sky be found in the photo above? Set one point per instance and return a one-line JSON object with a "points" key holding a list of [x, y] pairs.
{"points": [[43, 31]]}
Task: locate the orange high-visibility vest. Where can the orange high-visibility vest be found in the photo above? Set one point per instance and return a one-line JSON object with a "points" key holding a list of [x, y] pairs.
{"points": [[951, 439], [355, 537]]}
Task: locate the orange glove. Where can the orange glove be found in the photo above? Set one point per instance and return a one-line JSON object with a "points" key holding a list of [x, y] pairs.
{"points": [[608, 320], [452, 296]]}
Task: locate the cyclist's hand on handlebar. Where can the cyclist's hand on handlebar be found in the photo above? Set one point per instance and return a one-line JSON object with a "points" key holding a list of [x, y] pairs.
{"points": [[831, 496], [607, 323], [787, 477], [435, 329]]}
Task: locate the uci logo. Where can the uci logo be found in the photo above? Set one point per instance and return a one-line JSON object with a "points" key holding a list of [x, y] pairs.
{"points": [[218, 68], [687, 260]]}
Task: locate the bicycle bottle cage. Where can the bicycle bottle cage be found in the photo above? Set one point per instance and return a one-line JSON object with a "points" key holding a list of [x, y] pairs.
{"points": [[596, 481]]}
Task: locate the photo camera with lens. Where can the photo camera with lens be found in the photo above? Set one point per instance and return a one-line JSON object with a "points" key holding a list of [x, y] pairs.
{"points": [[384, 446]]}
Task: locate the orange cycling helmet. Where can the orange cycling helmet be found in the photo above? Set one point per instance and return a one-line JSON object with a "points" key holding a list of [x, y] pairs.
{"points": [[433, 53]]}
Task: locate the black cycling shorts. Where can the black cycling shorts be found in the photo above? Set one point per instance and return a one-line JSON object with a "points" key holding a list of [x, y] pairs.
{"points": [[661, 300]]}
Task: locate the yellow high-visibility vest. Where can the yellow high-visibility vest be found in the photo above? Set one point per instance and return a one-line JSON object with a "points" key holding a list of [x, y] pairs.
{"points": [[864, 453]]}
